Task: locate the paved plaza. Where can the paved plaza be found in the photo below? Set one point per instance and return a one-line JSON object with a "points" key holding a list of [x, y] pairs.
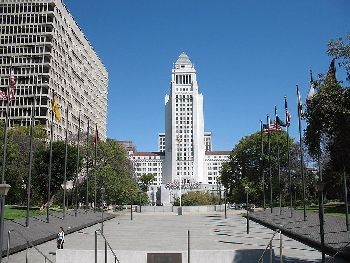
{"points": [[168, 232]]}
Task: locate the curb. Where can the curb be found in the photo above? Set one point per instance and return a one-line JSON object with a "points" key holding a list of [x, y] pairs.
{"points": [[50, 237]]}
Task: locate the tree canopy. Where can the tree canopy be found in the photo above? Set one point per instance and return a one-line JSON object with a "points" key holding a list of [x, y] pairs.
{"points": [[113, 171], [244, 167], [328, 120]]}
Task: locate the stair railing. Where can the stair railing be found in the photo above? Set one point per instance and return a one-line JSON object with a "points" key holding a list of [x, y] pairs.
{"points": [[332, 258], [29, 245], [269, 246], [107, 245]]}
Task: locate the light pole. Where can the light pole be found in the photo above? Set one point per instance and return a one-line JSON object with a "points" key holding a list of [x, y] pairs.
{"points": [[102, 197], [178, 141], [4, 188], [140, 199], [225, 193], [247, 206], [320, 187]]}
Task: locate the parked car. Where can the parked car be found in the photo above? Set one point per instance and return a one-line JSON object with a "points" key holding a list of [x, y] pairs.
{"points": [[232, 206]]}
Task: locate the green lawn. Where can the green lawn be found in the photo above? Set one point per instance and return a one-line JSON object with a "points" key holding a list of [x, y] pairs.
{"points": [[334, 209], [15, 212]]}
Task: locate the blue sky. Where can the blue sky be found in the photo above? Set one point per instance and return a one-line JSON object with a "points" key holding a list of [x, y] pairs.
{"points": [[248, 56]]}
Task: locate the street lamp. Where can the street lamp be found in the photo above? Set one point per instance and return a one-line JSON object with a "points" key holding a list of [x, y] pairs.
{"points": [[247, 206], [178, 141], [320, 188], [140, 199], [4, 188], [225, 193], [102, 197]]}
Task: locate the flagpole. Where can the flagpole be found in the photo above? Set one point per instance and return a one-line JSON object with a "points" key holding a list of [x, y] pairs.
{"points": [[30, 157], [29, 183], [269, 149], [262, 163], [77, 171], [346, 200], [301, 151], [2, 197], [278, 161], [50, 164], [5, 130], [288, 158], [65, 165], [87, 166], [96, 139]]}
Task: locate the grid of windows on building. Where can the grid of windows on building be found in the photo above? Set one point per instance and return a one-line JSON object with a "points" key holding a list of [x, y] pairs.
{"points": [[148, 163], [161, 142], [214, 161], [48, 53]]}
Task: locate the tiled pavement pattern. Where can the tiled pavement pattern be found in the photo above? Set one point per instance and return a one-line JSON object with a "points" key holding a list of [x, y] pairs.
{"points": [[168, 232], [307, 231], [39, 231]]}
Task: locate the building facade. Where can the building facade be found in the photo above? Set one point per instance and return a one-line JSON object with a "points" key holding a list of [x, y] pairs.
{"points": [[48, 53], [184, 126], [148, 163], [185, 150]]}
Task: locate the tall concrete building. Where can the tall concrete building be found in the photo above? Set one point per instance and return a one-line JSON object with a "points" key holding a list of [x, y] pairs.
{"points": [[185, 150], [49, 53], [184, 126]]}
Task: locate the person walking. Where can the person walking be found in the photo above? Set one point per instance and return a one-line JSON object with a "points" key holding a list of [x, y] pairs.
{"points": [[60, 238]]}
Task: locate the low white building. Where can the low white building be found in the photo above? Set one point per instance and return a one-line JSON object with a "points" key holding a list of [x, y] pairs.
{"points": [[148, 163]]}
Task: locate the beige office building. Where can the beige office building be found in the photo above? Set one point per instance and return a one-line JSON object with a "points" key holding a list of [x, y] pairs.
{"points": [[49, 53]]}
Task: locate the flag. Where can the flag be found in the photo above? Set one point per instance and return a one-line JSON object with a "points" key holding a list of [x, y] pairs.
{"points": [[265, 127], [96, 136], [278, 121], [12, 85], [331, 71], [273, 126], [312, 89], [288, 115], [56, 109], [3, 95], [300, 104]]}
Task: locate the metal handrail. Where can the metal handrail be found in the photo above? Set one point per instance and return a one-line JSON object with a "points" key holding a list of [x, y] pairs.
{"points": [[340, 250], [269, 244], [28, 243], [107, 244]]}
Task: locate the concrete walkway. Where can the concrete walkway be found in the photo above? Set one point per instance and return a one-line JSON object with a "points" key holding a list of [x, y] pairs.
{"points": [[168, 232]]}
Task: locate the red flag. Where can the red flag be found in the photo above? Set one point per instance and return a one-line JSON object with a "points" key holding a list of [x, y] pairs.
{"points": [[96, 137], [12, 85], [12, 82]]}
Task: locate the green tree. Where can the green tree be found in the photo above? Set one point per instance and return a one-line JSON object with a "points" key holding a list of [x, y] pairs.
{"points": [[244, 169], [197, 198], [17, 160], [340, 49], [328, 123], [145, 181], [113, 172], [41, 164]]}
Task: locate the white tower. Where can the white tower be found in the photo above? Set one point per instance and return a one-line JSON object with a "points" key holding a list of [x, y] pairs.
{"points": [[184, 126]]}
